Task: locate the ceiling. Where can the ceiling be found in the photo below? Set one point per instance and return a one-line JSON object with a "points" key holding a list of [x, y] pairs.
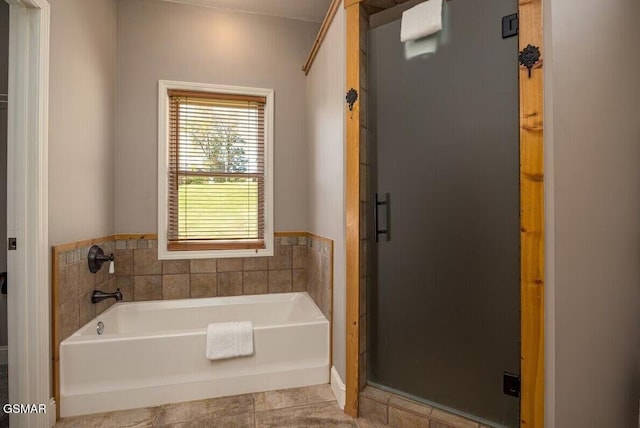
{"points": [[375, 6], [305, 10]]}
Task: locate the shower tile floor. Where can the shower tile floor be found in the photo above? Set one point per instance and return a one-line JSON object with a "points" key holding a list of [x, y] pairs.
{"points": [[313, 406]]}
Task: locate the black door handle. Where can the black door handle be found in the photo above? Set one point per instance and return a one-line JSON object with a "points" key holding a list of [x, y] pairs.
{"points": [[376, 215]]}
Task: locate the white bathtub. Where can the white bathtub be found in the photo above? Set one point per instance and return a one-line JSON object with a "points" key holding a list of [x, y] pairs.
{"points": [[153, 353]]}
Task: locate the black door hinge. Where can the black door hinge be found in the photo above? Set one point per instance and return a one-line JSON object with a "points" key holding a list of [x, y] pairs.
{"points": [[12, 244], [510, 25], [511, 384]]}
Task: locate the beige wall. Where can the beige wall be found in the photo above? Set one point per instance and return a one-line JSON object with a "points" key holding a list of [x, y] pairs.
{"points": [[325, 135], [81, 119], [161, 40], [592, 138]]}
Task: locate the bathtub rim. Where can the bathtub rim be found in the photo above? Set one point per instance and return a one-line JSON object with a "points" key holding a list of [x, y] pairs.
{"points": [[315, 318]]}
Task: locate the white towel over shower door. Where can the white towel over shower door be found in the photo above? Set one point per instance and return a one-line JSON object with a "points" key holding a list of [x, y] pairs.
{"points": [[444, 291]]}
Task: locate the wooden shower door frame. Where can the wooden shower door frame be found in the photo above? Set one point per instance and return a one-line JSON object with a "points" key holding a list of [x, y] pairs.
{"points": [[531, 213]]}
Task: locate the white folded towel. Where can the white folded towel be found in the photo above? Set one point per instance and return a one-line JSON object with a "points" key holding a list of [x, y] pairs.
{"points": [[229, 339], [421, 20]]}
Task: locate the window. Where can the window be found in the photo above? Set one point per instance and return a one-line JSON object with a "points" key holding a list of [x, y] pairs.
{"points": [[215, 171]]}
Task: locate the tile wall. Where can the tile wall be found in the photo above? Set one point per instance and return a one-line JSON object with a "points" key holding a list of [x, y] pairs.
{"points": [[320, 273], [141, 276], [72, 298], [385, 408]]}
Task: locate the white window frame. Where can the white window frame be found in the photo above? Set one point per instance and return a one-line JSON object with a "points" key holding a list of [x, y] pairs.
{"points": [[163, 168]]}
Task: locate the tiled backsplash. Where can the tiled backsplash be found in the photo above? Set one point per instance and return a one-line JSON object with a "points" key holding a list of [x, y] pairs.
{"points": [[141, 276], [75, 286], [320, 273], [301, 262]]}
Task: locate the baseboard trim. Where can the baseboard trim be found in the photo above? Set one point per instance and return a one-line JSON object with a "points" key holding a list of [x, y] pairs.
{"points": [[51, 411], [337, 385], [4, 355]]}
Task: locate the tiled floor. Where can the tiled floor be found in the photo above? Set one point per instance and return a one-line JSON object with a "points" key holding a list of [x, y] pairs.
{"points": [[313, 406]]}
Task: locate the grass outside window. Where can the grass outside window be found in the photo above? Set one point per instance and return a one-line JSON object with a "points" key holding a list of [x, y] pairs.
{"points": [[235, 202]]}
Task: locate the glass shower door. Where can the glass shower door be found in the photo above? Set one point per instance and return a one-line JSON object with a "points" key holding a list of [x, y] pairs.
{"points": [[444, 294]]}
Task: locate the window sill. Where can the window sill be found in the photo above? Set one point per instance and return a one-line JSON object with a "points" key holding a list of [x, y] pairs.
{"points": [[165, 254]]}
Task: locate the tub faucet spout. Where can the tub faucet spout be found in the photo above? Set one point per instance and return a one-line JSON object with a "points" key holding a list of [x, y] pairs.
{"points": [[99, 296]]}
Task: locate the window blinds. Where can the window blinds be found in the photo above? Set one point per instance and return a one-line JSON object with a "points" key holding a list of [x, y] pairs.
{"points": [[216, 171]]}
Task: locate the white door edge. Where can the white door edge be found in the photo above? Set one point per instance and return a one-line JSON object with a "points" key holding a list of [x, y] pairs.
{"points": [[28, 313]]}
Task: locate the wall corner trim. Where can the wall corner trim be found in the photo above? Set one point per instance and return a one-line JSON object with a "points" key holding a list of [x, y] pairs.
{"points": [[338, 387], [324, 28]]}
